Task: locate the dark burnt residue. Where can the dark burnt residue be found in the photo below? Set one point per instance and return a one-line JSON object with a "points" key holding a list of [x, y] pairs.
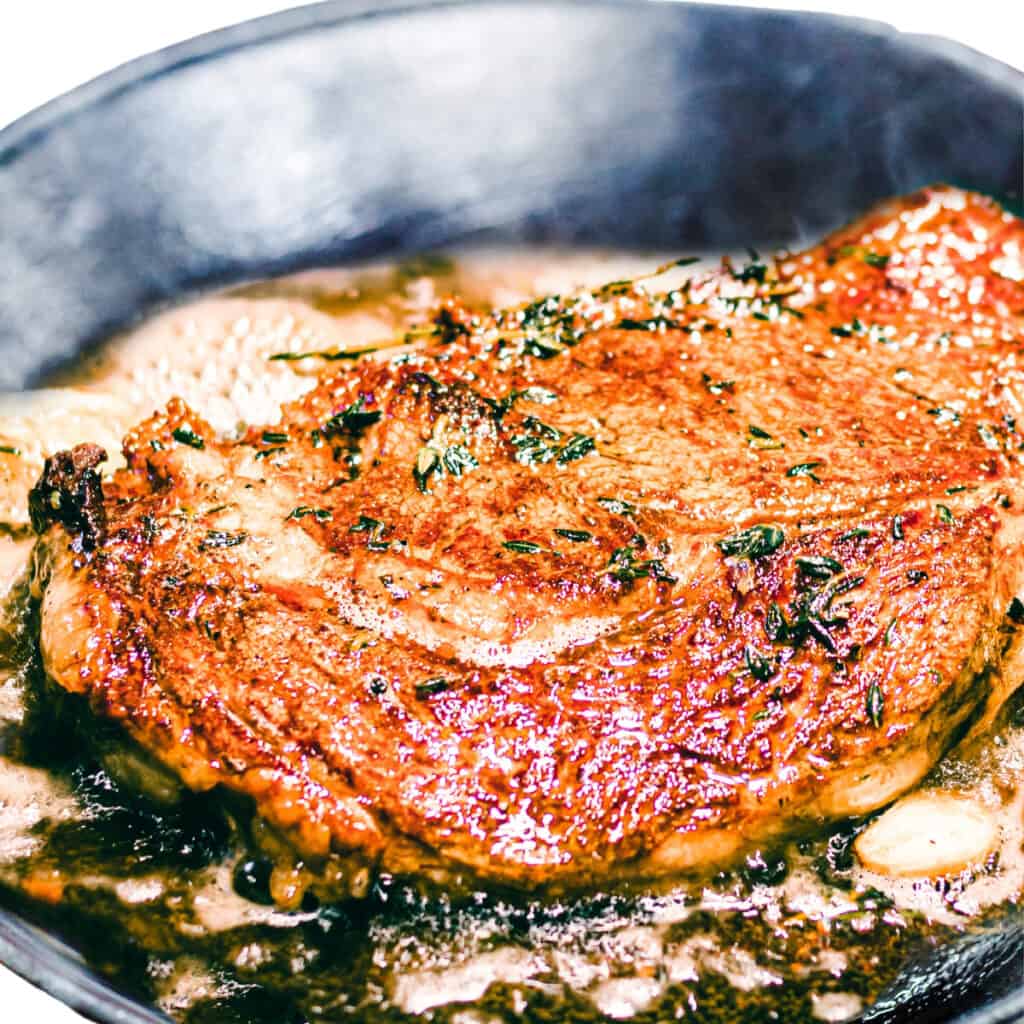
{"points": [[70, 492]]}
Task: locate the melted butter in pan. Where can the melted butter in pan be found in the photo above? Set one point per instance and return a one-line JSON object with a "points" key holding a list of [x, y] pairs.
{"points": [[185, 918]]}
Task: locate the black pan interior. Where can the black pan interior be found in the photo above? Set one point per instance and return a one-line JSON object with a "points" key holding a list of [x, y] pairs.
{"points": [[351, 130]]}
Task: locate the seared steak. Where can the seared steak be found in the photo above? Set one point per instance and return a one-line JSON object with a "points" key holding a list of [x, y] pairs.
{"points": [[619, 584]]}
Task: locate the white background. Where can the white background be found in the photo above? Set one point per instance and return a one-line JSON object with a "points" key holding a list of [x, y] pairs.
{"points": [[50, 46]]}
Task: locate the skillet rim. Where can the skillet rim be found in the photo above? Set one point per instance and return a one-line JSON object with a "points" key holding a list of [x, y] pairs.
{"points": [[33, 954]]}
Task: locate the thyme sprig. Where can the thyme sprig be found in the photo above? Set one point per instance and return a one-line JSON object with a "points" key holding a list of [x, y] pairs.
{"points": [[625, 565], [352, 419], [754, 542], [541, 443]]}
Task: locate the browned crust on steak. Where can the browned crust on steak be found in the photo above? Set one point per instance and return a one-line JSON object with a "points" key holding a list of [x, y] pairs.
{"points": [[393, 652]]}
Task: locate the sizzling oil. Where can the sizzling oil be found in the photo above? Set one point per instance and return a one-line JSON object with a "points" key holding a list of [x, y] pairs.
{"points": [[185, 917]]}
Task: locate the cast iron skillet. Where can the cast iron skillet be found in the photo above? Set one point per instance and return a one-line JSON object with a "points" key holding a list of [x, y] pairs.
{"points": [[359, 129]]}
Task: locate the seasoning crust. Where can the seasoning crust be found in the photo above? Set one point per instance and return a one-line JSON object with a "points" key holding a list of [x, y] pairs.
{"points": [[618, 584]]}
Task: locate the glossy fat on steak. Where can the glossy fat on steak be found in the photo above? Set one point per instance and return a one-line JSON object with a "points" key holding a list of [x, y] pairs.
{"points": [[617, 585]]}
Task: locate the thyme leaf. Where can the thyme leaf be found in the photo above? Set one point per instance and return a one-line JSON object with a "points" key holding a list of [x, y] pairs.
{"points": [[575, 448], [890, 631], [535, 394], [813, 615], [717, 387], [754, 271], [540, 396], [222, 539], [626, 567], [762, 440], [754, 542], [819, 567], [617, 507], [367, 524], [775, 625], [431, 687], [301, 511], [543, 443], [855, 534], [186, 435], [875, 704], [352, 419], [428, 460], [943, 414], [762, 668], [458, 459], [329, 355], [522, 547], [576, 536], [654, 323], [804, 469]]}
